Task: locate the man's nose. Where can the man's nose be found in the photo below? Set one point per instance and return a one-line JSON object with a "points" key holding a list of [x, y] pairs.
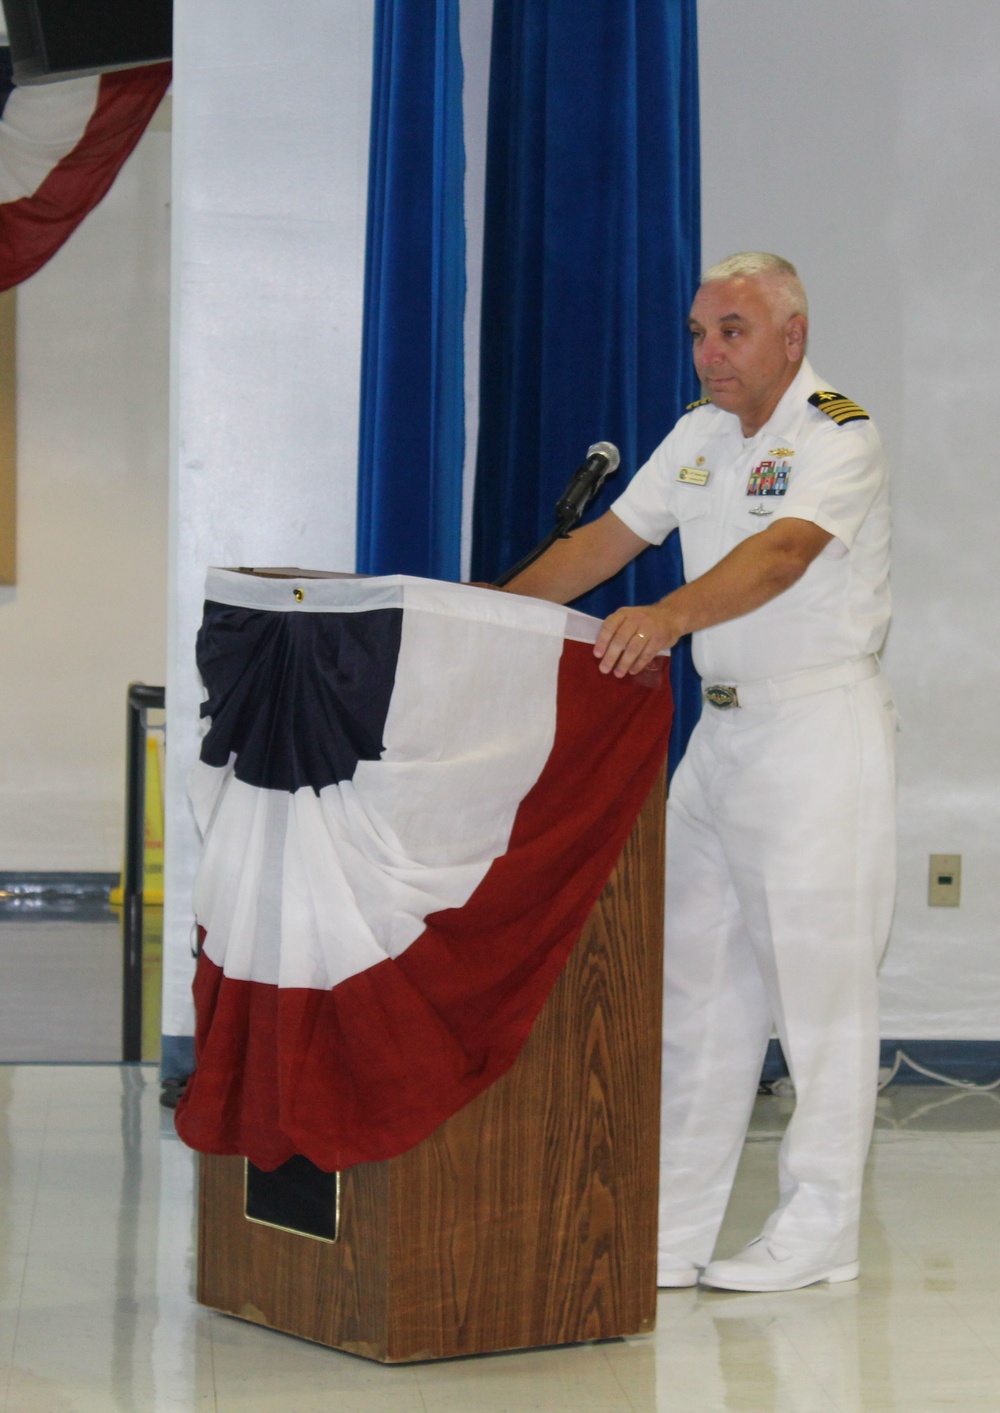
{"points": [[709, 351]]}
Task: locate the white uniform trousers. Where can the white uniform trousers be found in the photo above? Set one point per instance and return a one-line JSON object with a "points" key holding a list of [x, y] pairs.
{"points": [[780, 886]]}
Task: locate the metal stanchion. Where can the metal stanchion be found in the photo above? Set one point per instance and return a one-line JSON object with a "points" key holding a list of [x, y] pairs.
{"points": [[140, 699]]}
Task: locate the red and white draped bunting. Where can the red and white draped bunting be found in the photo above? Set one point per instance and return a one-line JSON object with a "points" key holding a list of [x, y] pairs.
{"points": [[61, 146], [411, 796]]}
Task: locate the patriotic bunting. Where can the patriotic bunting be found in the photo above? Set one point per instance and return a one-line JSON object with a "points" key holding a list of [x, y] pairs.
{"points": [[411, 795], [61, 146]]}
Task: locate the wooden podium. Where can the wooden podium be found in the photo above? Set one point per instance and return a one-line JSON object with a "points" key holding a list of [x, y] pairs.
{"points": [[528, 1218]]}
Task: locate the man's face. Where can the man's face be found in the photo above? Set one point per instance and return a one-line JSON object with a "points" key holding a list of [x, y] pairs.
{"points": [[744, 355]]}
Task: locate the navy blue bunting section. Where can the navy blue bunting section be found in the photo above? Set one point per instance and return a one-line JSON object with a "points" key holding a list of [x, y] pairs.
{"points": [[299, 698]]}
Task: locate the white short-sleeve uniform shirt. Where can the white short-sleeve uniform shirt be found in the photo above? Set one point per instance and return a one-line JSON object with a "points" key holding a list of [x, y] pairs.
{"points": [[719, 488]]}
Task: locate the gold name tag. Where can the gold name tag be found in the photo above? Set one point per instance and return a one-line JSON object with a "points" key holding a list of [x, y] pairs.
{"points": [[694, 475]]}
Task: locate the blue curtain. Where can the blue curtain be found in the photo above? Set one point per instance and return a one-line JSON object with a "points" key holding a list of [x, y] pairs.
{"points": [[591, 259], [412, 433]]}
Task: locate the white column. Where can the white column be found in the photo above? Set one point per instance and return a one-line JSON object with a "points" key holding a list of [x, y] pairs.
{"points": [[271, 122]]}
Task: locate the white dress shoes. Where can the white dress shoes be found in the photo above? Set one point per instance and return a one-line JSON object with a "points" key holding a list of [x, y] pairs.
{"points": [[674, 1273], [766, 1265]]}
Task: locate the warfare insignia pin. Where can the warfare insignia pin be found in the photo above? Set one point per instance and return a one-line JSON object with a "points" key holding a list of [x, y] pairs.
{"points": [[782, 451]]}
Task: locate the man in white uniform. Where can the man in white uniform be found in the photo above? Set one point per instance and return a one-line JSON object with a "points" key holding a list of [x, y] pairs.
{"points": [[781, 842]]}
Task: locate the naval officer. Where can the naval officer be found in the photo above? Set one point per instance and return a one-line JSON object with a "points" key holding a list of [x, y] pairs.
{"points": [[781, 840]]}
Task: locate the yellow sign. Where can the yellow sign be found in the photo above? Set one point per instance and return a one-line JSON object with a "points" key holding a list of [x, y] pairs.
{"points": [[152, 872], [694, 475]]}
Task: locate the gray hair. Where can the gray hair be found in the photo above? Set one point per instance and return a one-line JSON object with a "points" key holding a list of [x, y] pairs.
{"points": [[760, 264]]}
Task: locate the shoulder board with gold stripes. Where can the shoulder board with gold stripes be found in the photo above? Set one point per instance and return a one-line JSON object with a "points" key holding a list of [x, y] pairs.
{"points": [[841, 409], [702, 402]]}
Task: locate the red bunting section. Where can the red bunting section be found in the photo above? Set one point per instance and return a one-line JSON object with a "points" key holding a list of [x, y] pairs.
{"points": [[368, 1069], [33, 228]]}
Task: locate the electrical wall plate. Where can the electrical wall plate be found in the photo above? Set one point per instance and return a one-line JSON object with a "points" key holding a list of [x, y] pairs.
{"points": [[945, 881]]}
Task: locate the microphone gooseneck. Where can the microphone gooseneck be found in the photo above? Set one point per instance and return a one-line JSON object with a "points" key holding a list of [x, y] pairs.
{"points": [[602, 461]]}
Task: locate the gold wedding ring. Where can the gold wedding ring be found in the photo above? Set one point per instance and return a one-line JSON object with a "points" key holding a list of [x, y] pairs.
{"points": [[640, 635]]}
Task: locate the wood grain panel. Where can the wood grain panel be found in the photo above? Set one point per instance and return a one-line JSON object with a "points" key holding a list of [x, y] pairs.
{"points": [[529, 1218], [334, 1294], [536, 1204]]}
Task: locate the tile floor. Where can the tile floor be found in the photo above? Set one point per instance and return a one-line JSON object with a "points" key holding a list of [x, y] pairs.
{"points": [[97, 1316], [61, 982], [60, 977]]}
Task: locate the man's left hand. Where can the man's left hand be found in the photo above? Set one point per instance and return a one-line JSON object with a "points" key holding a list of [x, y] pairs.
{"points": [[756, 571], [631, 637]]}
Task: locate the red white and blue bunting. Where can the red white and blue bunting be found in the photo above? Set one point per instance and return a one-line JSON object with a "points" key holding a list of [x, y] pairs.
{"points": [[411, 795], [61, 146]]}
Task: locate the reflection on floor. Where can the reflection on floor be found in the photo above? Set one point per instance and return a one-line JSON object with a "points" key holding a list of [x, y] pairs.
{"points": [[61, 983], [97, 1315]]}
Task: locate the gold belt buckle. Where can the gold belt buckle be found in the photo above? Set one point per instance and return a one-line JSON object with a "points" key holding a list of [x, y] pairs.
{"points": [[722, 697]]}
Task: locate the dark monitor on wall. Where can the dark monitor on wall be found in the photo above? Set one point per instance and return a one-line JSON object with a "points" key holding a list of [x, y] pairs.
{"points": [[56, 39]]}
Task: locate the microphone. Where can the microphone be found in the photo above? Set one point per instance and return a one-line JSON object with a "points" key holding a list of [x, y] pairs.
{"points": [[602, 461]]}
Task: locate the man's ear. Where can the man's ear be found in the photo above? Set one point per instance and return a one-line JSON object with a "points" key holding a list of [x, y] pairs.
{"points": [[796, 331]]}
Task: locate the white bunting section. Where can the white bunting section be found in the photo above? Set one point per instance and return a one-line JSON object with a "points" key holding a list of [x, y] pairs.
{"points": [[298, 592], [40, 125], [346, 878]]}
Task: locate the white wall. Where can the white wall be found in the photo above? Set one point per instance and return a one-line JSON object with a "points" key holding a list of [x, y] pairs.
{"points": [[476, 20], [271, 121], [88, 614], [862, 140]]}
